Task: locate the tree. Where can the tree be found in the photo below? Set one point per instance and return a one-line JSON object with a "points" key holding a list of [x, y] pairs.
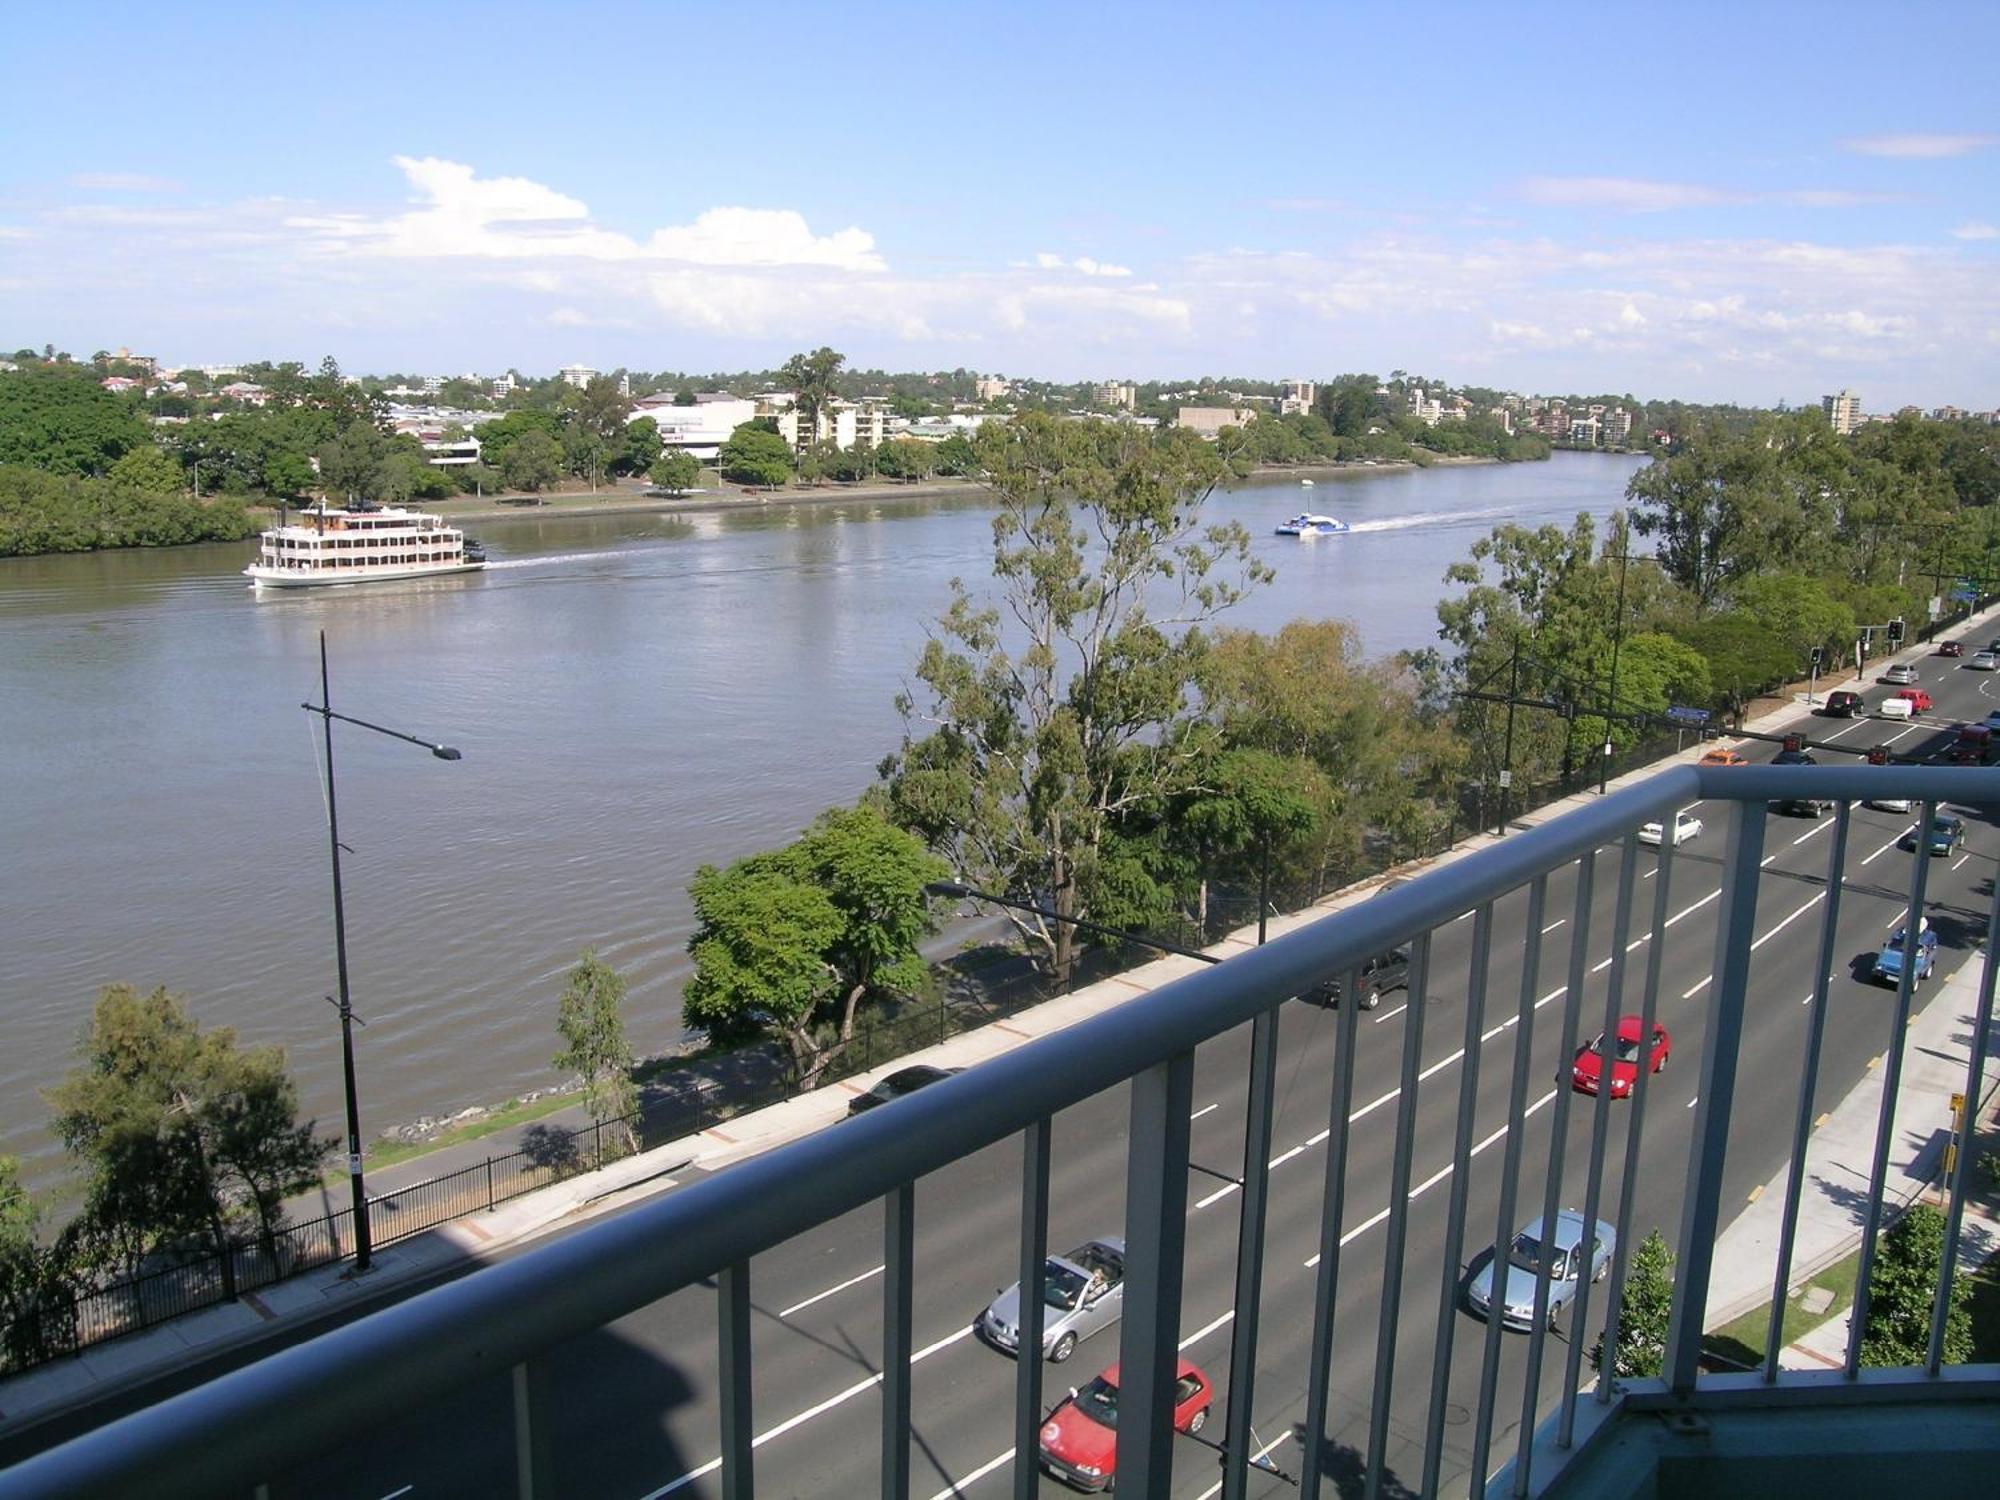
{"points": [[354, 466], [638, 447], [756, 454], [532, 462], [37, 1314], [180, 1131], [590, 1020], [676, 472], [1042, 733], [64, 422], [810, 378], [905, 459], [147, 471], [795, 940], [1902, 1286], [955, 456], [1644, 1310]]}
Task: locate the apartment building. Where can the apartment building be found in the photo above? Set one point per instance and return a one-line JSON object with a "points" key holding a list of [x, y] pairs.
{"points": [[1843, 411]]}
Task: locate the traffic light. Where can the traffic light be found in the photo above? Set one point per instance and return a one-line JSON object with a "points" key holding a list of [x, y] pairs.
{"points": [[1878, 755], [1795, 742], [1896, 631], [1818, 656]]}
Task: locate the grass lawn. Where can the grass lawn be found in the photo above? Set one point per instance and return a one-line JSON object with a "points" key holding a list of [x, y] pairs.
{"points": [[386, 1153], [1742, 1341]]}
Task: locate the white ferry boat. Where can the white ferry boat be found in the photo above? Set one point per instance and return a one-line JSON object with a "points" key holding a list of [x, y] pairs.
{"points": [[335, 545], [1312, 525]]}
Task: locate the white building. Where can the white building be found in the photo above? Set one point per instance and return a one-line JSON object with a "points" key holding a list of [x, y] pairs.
{"points": [[450, 453], [1121, 395], [701, 429], [1208, 421], [433, 384], [1296, 397], [502, 386], [1583, 431], [577, 375], [1842, 410], [1617, 427], [992, 387]]}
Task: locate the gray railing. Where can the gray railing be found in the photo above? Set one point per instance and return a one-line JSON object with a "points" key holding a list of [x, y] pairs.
{"points": [[264, 1422]]}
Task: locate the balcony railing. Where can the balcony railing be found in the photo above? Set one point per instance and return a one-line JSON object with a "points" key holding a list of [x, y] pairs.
{"points": [[1374, 1369]]}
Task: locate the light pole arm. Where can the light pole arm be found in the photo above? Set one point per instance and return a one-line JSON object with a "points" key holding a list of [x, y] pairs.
{"points": [[442, 752]]}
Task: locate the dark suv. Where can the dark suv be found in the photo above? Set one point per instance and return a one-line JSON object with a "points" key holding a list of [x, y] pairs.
{"points": [[1806, 807], [1842, 705], [1381, 974]]}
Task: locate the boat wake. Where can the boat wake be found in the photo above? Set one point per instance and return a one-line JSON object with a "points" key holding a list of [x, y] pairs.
{"points": [[1435, 518], [508, 564]]}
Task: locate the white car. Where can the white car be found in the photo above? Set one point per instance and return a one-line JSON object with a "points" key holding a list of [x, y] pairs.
{"points": [[1983, 661], [1901, 675], [1686, 826], [1896, 708], [1890, 804]]}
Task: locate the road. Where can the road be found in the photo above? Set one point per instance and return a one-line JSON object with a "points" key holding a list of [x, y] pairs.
{"points": [[636, 1413]]}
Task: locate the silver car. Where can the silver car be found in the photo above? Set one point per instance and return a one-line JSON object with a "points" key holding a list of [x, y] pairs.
{"points": [[1083, 1293], [1901, 674], [1566, 1259]]}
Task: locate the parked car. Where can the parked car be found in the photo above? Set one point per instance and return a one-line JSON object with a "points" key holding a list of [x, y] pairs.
{"points": [[1381, 974], [1842, 705], [1083, 1293], [1950, 648], [1889, 962], [1686, 826], [1901, 672], [1984, 661], [1563, 1253], [1586, 1073], [902, 1081], [1917, 698], [1947, 836], [1721, 757], [1079, 1441]]}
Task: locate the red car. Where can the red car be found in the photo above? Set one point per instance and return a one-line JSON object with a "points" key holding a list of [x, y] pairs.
{"points": [[1919, 699], [1588, 1069], [1951, 648], [1080, 1438]]}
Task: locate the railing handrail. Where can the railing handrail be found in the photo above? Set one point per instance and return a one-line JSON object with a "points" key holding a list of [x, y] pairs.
{"points": [[481, 1325]]}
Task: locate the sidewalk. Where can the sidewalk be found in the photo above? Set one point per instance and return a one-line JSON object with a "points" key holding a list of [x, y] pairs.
{"points": [[410, 1265]]}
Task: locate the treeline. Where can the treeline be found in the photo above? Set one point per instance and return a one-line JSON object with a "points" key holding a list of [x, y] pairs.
{"points": [[43, 513], [1307, 438]]}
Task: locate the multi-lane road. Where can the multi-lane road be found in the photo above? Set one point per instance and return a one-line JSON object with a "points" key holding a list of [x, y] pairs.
{"points": [[636, 1407]]}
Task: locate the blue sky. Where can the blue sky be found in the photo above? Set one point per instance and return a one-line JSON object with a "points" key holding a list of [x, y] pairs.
{"points": [[1747, 202]]}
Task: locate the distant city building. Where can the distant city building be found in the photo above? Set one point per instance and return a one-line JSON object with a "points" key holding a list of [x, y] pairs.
{"points": [[1583, 431], [577, 375], [119, 384], [248, 392], [1295, 397], [1114, 393], [1617, 427], [1949, 414], [1504, 417], [146, 363], [1842, 411], [450, 453], [1208, 421], [700, 429], [433, 384], [624, 385], [502, 386], [992, 387]]}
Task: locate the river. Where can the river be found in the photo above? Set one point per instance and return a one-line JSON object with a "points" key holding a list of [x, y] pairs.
{"points": [[634, 696]]}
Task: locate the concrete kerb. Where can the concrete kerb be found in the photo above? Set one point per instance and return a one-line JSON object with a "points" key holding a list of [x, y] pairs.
{"points": [[104, 1370]]}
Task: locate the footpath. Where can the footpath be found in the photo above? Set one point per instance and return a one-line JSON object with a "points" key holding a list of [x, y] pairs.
{"points": [[1829, 1222]]}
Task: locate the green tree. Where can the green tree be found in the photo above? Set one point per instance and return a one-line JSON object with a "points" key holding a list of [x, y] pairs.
{"points": [[1049, 730], [638, 447], [906, 459], [532, 462], [1902, 1285], [590, 1019], [147, 471], [37, 1313], [793, 941], [955, 456], [810, 378], [64, 422], [1744, 657], [756, 454], [354, 465], [676, 472], [1644, 1309]]}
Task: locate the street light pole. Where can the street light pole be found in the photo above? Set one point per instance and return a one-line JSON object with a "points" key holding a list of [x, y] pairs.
{"points": [[363, 1246], [1611, 697]]}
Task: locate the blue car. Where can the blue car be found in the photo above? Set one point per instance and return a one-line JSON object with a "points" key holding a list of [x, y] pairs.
{"points": [[1889, 962], [1947, 836], [1567, 1256]]}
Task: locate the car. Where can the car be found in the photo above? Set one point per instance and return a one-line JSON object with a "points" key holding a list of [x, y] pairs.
{"points": [[1843, 704], [1972, 746], [1890, 804], [1686, 826], [1992, 720], [1947, 836], [1984, 661], [1586, 1071], [1808, 807], [1889, 962], [1994, 645], [1562, 1254], [1721, 757], [1083, 1293], [1901, 672], [1079, 1441], [1950, 648], [1381, 974], [1896, 708], [902, 1081], [1917, 698]]}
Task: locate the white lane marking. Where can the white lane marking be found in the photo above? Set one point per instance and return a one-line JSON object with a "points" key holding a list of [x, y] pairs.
{"points": [[1217, 1196], [1689, 994], [1883, 850], [1554, 925], [1788, 921], [1464, 916], [1390, 1015], [958, 1486], [1205, 1109], [1206, 1329], [1962, 859], [1765, 860], [403, 1491], [1694, 1101], [1279, 1161], [1816, 828], [1715, 895], [1440, 1065], [1373, 1105], [822, 1296], [1215, 1489]]}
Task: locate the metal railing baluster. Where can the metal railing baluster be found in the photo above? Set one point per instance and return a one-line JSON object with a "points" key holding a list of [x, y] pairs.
{"points": [[1701, 1214], [1795, 1174], [1510, 1170], [1399, 1216], [1461, 1185], [1975, 1078], [1538, 1316], [1035, 1142], [1326, 1269], [1628, 1184], [1156, 1184], [534, 1443], [1892, 1079], [1250, 1255], [733, 1379], [899, 1240], [1600, 1124]]}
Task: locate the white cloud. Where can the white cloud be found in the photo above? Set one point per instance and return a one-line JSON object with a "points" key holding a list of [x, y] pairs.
{"points": [[1976, 232], [1917, 143], [764, 237], [1628, 194], [1083, 264], [123, 182]]}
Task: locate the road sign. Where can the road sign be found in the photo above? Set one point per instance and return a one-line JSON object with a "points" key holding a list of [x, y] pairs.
{"points": [[1693, 716], [1964, 594]]}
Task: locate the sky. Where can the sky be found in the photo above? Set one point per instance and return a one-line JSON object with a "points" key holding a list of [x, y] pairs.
{"points": [[1748, 202]]}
